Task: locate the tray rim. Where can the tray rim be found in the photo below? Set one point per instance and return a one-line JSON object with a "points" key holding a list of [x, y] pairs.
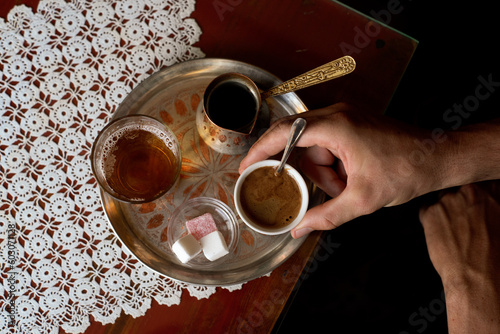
{"points": [[133, 245]]}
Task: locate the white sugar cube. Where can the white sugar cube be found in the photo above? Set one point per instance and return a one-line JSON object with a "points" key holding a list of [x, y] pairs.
{"points": [[186, 248], [214, 246]]}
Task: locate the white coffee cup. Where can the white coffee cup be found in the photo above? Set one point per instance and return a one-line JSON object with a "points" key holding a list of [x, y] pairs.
{"points": [[300, 183]]}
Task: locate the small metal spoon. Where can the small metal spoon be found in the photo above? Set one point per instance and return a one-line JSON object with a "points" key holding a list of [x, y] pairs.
{"points": [[295, 132]]}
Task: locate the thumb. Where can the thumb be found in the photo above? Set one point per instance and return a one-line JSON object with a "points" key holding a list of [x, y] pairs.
{"points": [[329, 215]]}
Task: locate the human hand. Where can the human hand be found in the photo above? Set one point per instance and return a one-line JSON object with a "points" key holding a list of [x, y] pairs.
{"points": [[462, 233], [363, 162]]}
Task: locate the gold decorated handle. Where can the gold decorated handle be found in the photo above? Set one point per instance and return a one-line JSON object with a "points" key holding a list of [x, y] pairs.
{"points": [[332, 70]]}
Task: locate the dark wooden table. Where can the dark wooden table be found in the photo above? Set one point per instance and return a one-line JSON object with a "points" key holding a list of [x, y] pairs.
{"points": [[286, 38]]}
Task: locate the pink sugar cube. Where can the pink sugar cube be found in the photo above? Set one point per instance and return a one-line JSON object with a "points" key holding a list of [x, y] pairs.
{"points": [[201, 226]]}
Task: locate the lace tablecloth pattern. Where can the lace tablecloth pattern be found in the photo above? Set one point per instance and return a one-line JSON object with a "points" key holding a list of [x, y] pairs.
{"points": [[63, 72]]}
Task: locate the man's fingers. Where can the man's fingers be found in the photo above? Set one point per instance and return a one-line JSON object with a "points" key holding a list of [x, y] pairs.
{"points": [[270, 143], [317, 164], [273, 141], [319, 156], [330, 214]]}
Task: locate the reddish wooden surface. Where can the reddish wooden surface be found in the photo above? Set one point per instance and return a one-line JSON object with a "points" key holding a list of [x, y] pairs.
{"points": [[253, 309], [287, 38], [7, 5], [290, 37]]}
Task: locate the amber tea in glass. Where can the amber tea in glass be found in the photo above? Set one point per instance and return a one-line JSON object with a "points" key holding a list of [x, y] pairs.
{"points": [[136, 159]]}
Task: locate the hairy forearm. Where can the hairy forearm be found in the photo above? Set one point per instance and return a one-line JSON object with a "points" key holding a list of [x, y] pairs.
{"points": [[473, 307], [470, 155]]}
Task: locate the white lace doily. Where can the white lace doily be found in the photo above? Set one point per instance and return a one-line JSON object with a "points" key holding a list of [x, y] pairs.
{"points": [[63, 71]]}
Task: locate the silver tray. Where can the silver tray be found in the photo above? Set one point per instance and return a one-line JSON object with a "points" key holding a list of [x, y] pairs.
{"points": [[172, 95]]}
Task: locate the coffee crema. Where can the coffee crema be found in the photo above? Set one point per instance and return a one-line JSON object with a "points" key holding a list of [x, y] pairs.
{"points": [[268, 200]]}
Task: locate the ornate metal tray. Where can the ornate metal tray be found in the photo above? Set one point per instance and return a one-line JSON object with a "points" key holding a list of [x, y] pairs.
{"points": [[172, 95]]}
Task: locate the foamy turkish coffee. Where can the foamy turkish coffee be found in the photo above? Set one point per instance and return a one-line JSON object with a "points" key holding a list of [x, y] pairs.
{"points": [[269, 200]]}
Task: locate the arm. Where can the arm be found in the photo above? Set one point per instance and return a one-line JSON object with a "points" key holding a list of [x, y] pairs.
{"points": [[377, 161], [474, 154], [462, 232]]}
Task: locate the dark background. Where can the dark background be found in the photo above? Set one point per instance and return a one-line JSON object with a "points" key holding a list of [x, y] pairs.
{"points": [[379, 277]]}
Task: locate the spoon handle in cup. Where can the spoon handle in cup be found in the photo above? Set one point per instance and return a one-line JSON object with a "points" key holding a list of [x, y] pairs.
{"points": [[298, 127], [331, 70]]}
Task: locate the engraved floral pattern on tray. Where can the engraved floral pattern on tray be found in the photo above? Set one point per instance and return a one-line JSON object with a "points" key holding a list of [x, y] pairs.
{"points": [[172, 95], [204, 172]]}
